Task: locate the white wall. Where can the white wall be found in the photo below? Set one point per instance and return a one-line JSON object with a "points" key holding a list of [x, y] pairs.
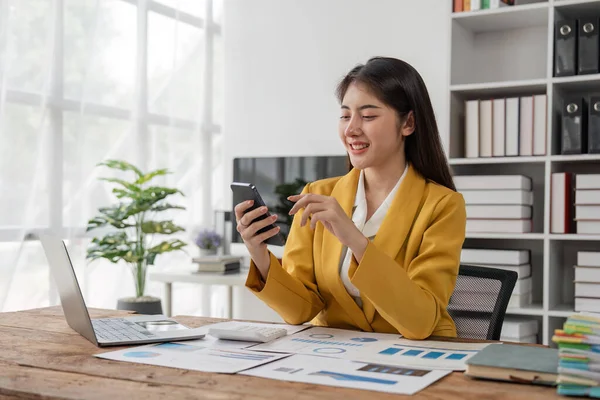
{"points": [[284, 58]]}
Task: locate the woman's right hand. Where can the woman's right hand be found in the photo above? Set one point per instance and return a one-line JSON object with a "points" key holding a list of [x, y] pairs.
{"points": [[248, 229]]}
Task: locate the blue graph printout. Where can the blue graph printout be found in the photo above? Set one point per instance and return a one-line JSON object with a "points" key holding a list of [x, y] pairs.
{"points": [[347, 373], [376, 348], [191, 357]]}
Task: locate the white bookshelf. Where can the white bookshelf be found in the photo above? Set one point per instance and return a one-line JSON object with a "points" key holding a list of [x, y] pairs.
{"points": [[519, 236], [497, 88], [498, 160], [504, 18], [509, 52]]}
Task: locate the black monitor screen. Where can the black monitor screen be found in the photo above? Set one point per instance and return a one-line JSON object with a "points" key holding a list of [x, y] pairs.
{"points": [[276, 178]]}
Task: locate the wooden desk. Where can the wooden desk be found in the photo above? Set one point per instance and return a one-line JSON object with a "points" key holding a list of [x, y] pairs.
{"points": [[41, 357]]}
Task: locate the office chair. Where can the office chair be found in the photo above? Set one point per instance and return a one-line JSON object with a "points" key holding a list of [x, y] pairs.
{"points": [[479, 301]]}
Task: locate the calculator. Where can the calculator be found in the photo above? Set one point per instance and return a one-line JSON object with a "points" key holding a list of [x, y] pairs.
{"points": [[247, 333]]}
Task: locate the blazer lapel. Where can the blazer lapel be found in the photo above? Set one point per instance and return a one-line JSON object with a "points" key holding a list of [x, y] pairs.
{"points": [[345, 192], [397, 223]]}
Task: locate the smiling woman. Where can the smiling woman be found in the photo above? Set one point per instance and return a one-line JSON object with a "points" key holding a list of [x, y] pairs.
{"points": [[377, 249]]}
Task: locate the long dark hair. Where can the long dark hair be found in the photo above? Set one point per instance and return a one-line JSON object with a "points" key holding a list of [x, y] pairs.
{"points": [[397, 84]]}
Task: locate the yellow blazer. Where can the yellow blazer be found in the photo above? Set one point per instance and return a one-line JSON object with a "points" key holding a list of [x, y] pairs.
{"points": [[405, 278]]}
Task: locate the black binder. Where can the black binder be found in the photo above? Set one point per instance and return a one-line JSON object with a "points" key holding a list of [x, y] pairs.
{"points": [[565, 48], [588, 47], [573, 127], [594, 125]]}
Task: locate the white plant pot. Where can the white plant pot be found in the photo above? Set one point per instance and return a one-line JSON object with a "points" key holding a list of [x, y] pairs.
{"points": [[207, 252]]}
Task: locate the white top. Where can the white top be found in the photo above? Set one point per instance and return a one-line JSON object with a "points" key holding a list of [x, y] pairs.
{"points": [[368, 228]]}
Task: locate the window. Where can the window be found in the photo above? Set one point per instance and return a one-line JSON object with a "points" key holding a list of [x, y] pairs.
{"points": [[82, 81]]}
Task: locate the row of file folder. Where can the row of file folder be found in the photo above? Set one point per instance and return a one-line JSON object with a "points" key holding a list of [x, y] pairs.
{"points": [[500, 127], [580, 125], [475, 5], [576, 47]]}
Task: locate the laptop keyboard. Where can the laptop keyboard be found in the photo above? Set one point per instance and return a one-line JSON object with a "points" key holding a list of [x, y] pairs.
{"points": [[119, 330]]}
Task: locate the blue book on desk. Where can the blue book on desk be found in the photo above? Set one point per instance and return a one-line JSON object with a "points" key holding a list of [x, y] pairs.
{"points": [[515, 363]]}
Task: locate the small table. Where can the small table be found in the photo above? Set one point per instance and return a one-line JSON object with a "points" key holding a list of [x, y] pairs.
{"points": [[205, 278]]}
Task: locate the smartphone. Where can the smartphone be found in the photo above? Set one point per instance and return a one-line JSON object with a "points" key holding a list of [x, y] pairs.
{"points": [[247, 191]]}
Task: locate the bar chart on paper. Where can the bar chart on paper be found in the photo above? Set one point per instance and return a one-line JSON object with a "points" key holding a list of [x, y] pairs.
{"points": [[347, 373], [430, 354], [376, 348]]}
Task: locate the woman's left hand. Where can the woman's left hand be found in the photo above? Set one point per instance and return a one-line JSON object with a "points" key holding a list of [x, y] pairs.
{"points": [[327, 210]]}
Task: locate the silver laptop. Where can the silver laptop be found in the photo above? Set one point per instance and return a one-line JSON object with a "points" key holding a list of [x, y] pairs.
{"points": [[137, 329]]}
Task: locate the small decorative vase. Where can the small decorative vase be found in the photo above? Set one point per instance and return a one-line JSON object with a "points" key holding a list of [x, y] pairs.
{"points": [[207, 252]]}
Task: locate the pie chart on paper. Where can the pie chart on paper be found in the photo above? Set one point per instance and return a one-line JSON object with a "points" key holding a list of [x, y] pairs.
{"points": [[141, 354], [364, 339]]}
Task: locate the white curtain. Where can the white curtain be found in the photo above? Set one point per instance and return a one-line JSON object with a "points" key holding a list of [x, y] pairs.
{"points": [[82, 81]]}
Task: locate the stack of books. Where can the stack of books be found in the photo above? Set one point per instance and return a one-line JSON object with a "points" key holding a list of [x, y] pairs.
{"points": [[515, 363], [587, 282], [520, 329], [587, 203], [579, 356], [497, 203], [218, 263], [477, 5], [511, 260]]}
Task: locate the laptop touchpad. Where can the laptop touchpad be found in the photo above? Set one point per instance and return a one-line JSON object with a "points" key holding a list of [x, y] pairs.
{"points": [[161, 325]]}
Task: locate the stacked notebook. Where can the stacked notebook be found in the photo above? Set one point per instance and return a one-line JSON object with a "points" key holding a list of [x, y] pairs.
{"points": [[579, 356], [587, 203], [587, 282], [575, 203], [519, 329], [511, 260], [218, 263], [497, 203]]}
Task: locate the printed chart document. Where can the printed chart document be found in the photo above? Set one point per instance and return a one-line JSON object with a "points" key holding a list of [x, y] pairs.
{"points": [[349, 374], [186, 356], [375, 347], [325, 341], [213, 342], [422, 353]]}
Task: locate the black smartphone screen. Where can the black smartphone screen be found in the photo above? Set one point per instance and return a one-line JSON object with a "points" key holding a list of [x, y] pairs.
{"points": [[247, 191]]}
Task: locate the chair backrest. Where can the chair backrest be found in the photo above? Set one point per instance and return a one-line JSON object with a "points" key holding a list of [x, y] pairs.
{"points": [[479, 301]]}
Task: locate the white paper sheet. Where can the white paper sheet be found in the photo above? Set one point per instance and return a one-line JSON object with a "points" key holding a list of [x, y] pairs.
{"points": [[185, 356], [291, 329], [347, 373], [375, 347], [212, 342], [315, 338]]}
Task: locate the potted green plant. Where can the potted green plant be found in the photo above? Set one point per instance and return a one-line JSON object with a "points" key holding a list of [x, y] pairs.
{"points": [[131, 228]]}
